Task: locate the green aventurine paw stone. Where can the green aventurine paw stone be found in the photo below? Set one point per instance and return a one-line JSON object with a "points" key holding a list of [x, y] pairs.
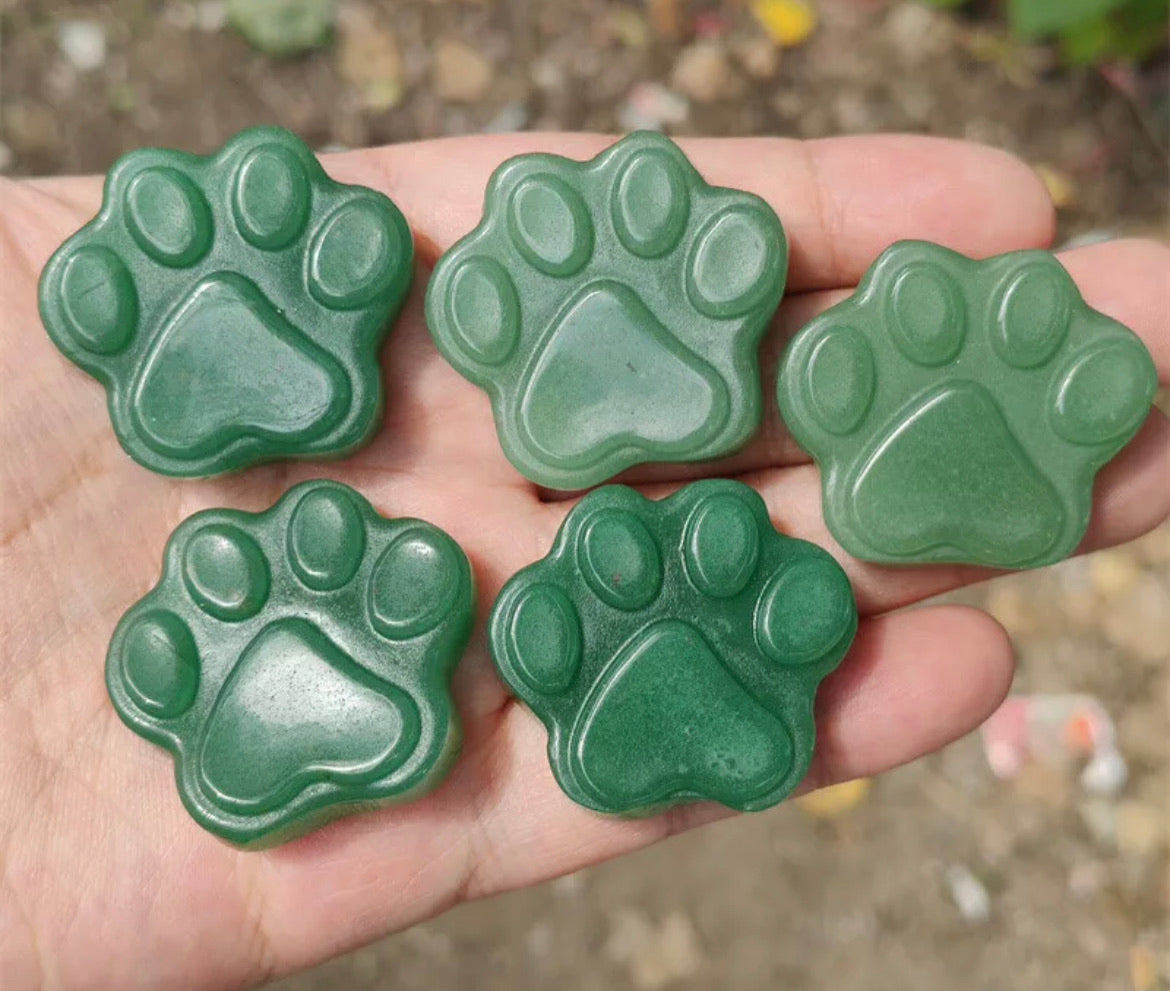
{"points": [[612, 309], [960, 409], [233, 306], [673, 649], [296, 662]]}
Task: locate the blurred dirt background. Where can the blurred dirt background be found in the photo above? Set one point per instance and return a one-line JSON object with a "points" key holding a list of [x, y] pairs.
{"points": [[938, 876]]}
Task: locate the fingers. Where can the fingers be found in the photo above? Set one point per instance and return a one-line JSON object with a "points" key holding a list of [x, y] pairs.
{"points": [[1128, 280], [842, 200], [912, 683], [793, 497], [1131, 495], [861, 194], [1130, 498]]}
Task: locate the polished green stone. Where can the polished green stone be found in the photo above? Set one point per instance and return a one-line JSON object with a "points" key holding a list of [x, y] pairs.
{"points": [[297, 662], [233, 306], [959, 410], [612, 309], [673, 649]]}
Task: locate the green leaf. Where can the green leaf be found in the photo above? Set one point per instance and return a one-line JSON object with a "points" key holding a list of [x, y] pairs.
{"points": [[1033, 18], [1133, 33], [1141, 28], [1088, 41]]}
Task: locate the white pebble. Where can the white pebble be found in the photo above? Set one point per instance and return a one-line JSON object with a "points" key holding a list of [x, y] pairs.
{"points": [[211, 15], [969, 894], [83, 43]]}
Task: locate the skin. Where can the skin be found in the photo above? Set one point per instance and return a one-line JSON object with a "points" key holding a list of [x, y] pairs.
{"points": [[106, 882]]}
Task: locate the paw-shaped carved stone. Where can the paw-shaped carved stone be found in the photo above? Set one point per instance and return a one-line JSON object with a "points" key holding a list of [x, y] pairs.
{"points": [[296, 662], [673, 648], [959, 409], [612, 309], [233, 306]]}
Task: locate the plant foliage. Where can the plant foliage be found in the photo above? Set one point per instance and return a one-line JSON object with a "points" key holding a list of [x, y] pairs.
{"points": [[1088, 30]]}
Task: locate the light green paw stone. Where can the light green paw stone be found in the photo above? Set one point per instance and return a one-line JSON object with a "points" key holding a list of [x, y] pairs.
{"points": [[959, 410], [612, 309]]}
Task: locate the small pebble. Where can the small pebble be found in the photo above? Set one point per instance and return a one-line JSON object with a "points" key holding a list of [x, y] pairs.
{"points": [[836, 800], [211, 15], [1142, 728], [31, 128], [969, 894], [1106, 773], [1114, 573], [1154, 547], [1087, 879], [369, 59], [569, 886], [179, 14], [547, 73], [1062, 189], [1088, 239], [627, 26], [1137, 622], [509, 118], [538, 940], [1099, 816], [83, 43], [208, 16], [460, 74], [701, 72], [364, 967], [853, 113], [654, 955], [915, 31], [1143, 968], [1012, 606], [430, 941], [759, 58], [1141, 830], [667, 18], [652, 107]]}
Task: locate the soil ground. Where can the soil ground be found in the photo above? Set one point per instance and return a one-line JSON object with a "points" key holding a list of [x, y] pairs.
{"points": [[1077, 886]]}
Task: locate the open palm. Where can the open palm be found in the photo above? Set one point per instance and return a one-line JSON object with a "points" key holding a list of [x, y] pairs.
{"points": [[104, 879]]}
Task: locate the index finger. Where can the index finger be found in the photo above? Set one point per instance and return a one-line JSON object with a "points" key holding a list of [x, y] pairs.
{"points": [[842, 200]]}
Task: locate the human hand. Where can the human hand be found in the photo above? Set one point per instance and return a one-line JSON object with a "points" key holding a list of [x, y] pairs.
{"points": [[104, 879]]}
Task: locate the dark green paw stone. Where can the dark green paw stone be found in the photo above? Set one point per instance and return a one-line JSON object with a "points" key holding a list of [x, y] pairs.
{"points": [[673, 649]]}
